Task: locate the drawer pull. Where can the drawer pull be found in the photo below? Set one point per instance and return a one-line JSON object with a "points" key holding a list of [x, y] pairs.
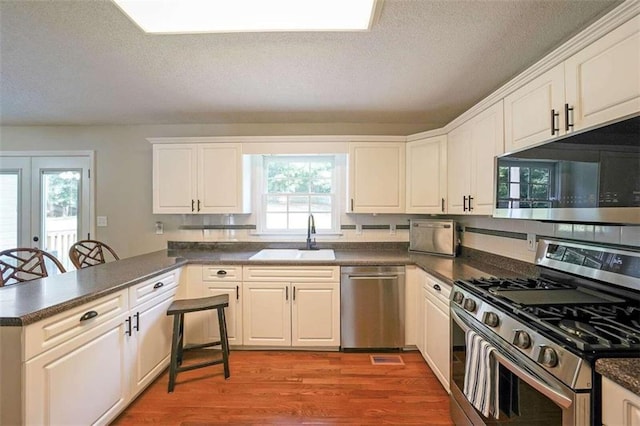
{"points": [[436, 287], [158, 285], [221, 272], [88, 315]]}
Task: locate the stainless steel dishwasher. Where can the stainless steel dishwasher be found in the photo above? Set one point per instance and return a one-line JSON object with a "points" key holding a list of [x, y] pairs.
{"points": [[372, 307]]}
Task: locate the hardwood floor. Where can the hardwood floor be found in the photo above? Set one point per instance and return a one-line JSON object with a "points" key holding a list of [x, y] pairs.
{"points": [[290, 387]]}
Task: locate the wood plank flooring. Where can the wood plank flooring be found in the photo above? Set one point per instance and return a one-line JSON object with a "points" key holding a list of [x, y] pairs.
{"points": [[295, 388]]}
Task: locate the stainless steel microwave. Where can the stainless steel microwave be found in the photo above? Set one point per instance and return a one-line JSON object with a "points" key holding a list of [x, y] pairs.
{"points": [[592, 177]]}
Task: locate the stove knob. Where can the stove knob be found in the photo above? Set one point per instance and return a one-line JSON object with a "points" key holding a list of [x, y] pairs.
{"points": [[469, 305], [522, 339], [491, 319], [458, 297], [548, 357]]}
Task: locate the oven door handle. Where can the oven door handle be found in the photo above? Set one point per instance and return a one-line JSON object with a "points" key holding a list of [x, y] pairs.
{"points": [[554, 393]]}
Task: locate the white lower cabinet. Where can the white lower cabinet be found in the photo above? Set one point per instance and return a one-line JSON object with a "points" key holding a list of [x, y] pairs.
{"points": [[83, 381], [84, 365], [434, 341], [214, 280], [293, 306], [620, 406]]}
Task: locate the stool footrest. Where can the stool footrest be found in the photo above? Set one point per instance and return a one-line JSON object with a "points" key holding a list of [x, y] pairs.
{"points": [[199, 365], [201, 346]]}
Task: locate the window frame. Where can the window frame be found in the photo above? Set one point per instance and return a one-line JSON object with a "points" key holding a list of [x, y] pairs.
{"points": [[551, 185]]}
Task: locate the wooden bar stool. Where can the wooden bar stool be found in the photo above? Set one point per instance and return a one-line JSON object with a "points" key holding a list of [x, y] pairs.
{"points": [[180, 307]]}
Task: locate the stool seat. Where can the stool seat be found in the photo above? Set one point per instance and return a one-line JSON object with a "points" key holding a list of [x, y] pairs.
{"points": [[195, 305], [182, 306]]}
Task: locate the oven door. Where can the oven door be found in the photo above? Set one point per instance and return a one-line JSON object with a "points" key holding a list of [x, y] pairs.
{"points": [[528, 394]]}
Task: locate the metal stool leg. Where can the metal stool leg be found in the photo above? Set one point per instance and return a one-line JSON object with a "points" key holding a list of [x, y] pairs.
{"points": [[224, 341], [175, 342]]}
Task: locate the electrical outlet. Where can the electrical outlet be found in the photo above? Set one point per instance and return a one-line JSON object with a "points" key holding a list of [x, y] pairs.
{"points": [[531, 242], [358, 229], [392, 229]]}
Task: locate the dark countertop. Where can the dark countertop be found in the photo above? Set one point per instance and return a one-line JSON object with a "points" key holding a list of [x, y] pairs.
{"points": [[26, 303], [623, 371]]}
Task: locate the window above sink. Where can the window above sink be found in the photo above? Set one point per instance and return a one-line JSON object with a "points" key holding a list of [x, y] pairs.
{"points": [[294, 254]]}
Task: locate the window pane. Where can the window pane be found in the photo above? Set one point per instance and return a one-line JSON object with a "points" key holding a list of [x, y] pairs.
{"points": [[60, 199], [323, 220], [514, 190], [276, 203], [276, 220], [540, 192], [320, 203], [502, 190], [539, 175], [524, 174], [298, 221], [515, 174], [299, 203], [524, 191], [321, 186], [9, 210]]}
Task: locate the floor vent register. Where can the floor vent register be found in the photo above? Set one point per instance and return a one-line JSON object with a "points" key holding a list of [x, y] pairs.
{"points": [[386, 360]]}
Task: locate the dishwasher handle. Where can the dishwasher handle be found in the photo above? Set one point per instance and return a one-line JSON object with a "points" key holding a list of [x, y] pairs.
{"points": [[373, 277]]}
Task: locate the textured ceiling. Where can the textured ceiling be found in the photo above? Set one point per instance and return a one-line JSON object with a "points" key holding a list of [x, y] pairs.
{"points": [[67, 62]]}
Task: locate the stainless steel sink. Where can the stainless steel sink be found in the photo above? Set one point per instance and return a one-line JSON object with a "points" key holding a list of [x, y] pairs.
{"points": [[294, 254]]}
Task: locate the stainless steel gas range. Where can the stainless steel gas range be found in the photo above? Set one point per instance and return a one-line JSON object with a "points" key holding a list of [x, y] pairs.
{"points": [[523, 350]]}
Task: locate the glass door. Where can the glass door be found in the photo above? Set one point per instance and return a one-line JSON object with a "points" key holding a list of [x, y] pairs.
{"points": [[15, 186], [60, 204]]}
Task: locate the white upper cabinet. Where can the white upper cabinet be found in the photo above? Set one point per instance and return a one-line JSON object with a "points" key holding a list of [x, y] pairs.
{"points": [[599, 84], [426, 179], [535, 112], [603, 79], [200, 178], [471, 152], [376, 177], [174, 178]]}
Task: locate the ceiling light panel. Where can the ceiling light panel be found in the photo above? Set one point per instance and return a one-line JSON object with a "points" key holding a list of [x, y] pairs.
{"points": [[207, 16]]}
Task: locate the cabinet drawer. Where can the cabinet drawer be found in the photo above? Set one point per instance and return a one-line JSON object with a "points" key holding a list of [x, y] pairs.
{"points": [[44, 335], [153, 287], [221, 272], [440, 296], [292, 273]]}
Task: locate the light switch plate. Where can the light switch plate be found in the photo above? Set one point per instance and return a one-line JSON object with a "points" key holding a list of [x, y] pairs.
{"points": [[531, 242], [101, 221]]}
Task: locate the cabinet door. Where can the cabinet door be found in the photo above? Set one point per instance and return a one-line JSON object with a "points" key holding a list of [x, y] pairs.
{"points": [[487, 139], [620, 406], [221, 183], [233, 313], [376, 177], [315, 314], [82, 381], [603, 79], [266, 314], [427, 175], [437, 341], [458, 168], [150, 341], [174, 178], [527, 111]]}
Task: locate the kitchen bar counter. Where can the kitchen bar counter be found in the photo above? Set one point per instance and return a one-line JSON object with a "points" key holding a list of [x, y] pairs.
{"points": [[623, 371], [26, 303]]}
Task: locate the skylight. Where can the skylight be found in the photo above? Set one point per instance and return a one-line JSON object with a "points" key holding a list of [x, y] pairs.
{"points": [[208, 16]]}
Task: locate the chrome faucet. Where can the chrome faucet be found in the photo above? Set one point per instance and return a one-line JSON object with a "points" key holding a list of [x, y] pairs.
{"points": [[311, 230]]}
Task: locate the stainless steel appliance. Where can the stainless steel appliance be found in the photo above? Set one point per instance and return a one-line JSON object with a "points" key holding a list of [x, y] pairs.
{"points": [[592, 176], [433, 236], [372, 307], [547, 333]]}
